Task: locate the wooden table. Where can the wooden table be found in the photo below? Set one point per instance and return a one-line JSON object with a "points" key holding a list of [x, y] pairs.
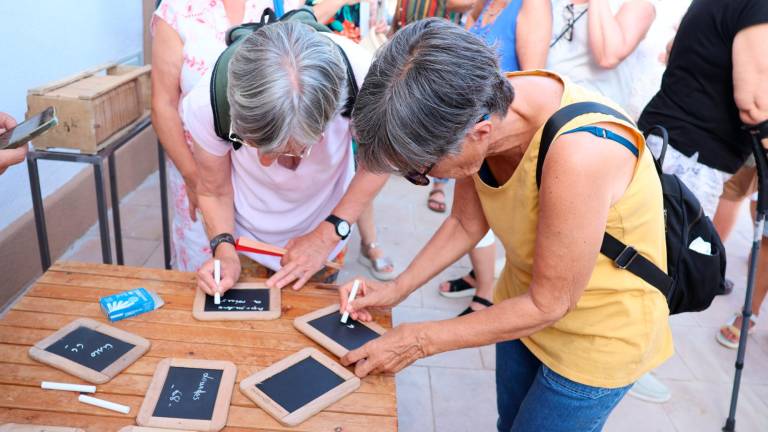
{"points": [[71, 290]]}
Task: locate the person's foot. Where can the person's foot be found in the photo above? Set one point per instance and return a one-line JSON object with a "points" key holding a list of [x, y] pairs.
{"points": [[457, 288], [729, 334], [727, 287], [380, 265], [650, 389], [478, 304], [436, 200]]}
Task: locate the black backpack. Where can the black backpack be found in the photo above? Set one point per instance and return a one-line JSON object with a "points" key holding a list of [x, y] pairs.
{"points": [[234, 38], [693, 279]]}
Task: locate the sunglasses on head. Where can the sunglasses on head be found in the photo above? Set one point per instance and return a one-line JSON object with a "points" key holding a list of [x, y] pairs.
{"points": [[421, 178]]}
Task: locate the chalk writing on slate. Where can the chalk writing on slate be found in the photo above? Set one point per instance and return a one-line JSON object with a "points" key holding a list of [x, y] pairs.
{"points": [[351, 335], [90, 348], [189, 393], [300, 384], [240, 300]]}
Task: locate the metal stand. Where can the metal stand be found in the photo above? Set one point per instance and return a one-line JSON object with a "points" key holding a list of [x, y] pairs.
{"points": [[96, 160], [746, 314]]}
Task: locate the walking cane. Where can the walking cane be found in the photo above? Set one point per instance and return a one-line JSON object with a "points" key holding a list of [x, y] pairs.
{"points": [[762, 205]]}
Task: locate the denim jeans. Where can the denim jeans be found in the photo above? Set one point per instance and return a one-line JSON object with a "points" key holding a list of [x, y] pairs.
{"points": [[532, 397]]}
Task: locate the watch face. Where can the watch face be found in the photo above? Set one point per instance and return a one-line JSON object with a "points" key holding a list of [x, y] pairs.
{"points": [[343, 228]]}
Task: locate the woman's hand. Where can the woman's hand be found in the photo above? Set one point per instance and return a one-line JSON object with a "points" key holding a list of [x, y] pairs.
{"points": [[230, 271], [370, 295], [305, 256], [389, 353], [190, 184]]}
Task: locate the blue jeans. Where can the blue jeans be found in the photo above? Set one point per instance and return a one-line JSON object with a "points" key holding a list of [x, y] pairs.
{"points": [[532, 397]]}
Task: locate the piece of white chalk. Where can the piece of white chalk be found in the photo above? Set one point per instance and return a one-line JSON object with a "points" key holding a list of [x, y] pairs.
{"points": [[104, 404], [352, 295], [217, 278], [49, 385]]}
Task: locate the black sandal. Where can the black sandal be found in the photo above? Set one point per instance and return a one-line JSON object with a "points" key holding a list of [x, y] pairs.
{"points": [[476, 299], [459, 288]]}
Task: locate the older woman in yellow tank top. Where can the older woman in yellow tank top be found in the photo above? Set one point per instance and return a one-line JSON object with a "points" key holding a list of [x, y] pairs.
{"points": [[573, 332]]}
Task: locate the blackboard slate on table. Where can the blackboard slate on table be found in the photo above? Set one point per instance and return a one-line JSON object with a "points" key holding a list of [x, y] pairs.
{"points": [[299, 386], [245, 301], [91, 350], [240, 300], [324, 326], [189, 394]]}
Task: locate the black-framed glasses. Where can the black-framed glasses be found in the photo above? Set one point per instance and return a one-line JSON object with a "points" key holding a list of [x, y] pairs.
{"points": [[570, 17], [417, 178]]}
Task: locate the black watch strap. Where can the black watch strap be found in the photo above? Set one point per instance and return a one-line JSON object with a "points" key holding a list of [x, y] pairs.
{"points": [[337, 222], [219, 239]]}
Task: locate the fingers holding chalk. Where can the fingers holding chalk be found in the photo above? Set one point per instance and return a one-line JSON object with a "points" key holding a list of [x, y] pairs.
{"points": [[352, 295]]}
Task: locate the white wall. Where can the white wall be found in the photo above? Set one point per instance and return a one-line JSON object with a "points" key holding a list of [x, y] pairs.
{"points": [[44, 40]]}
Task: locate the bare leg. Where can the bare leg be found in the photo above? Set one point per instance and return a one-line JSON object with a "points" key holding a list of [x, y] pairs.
{"points": [[367, 227], [725, 217], [483, 262]]}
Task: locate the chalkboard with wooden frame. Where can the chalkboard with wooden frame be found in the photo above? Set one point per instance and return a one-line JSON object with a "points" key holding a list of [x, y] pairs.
{"points": [[189, 394], [15, 427], [324, 326], [90, 350], [299, 386], [244, 302], [149, 429]]}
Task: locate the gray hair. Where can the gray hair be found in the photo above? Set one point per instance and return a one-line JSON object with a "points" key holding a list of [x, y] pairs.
{"points": [[286, 81], [425, 90]]}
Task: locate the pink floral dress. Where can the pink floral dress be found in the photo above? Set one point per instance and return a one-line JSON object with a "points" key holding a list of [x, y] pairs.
{"points": [[201, 25]]}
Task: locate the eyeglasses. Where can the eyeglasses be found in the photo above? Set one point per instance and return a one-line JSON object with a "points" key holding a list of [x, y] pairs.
{"points": [[570, 17], [420, 178], [304, 153]]}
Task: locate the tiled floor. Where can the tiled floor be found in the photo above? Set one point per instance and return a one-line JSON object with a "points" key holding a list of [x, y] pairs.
{"points": [[455, 391]]}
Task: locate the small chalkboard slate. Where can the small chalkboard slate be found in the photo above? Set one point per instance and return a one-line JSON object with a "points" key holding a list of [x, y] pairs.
{"points": [[244, 301], [90, 350], [15, 427], [299, 386], [324, 326], [148, 429], [189, 394]]}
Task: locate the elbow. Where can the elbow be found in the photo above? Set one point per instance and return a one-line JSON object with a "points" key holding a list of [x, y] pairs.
{"points": [[608, 61], [750, 111], [550, 312]]}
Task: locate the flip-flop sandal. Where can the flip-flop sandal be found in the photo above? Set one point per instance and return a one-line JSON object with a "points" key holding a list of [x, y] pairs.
{"points": [[376, 266], [476, 299], [736, 331], [459, 288], [435, 205]]}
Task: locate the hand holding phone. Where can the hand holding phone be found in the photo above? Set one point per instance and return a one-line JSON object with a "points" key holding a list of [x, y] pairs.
{"points": [[9, 157], [18, 135], [6, 122]]}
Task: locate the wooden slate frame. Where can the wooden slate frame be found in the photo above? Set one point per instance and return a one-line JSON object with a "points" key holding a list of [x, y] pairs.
{"points": [[221, 406], [17, 427], [148, 429], [302, 324], [249, 389], [141, 346], [275, 306]]}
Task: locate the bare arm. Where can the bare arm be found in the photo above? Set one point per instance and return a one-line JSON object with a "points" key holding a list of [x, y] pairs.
{"points": [[613, 38], [533, 33], [582, 178], [166, 76], [461, 6], [326, 9], [750, 75], [474, 14]]}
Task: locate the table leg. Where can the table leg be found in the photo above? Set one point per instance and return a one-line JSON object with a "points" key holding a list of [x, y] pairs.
{"points": [[164, 205], [101, 206], [39, 210], [115, 209]]}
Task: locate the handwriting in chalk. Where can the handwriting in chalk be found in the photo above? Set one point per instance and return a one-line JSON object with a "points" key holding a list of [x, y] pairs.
{"points": [[175, 396], [101, 349], [350, 326], [201, 386], [76, 348]]}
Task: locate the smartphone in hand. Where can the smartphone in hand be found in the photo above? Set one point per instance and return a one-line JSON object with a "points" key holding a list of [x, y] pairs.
{"points": [[28, 129]]}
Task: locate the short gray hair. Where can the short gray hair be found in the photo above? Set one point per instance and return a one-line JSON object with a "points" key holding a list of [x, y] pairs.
{"points": [[285, 81], [425, 90]]}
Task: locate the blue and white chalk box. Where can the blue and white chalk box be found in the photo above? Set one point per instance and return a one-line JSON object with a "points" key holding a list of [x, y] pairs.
{"points": [[130, 303]]}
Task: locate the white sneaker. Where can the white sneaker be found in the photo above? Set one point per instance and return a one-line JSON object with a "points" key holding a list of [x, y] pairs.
{"points": [[650, 389]]}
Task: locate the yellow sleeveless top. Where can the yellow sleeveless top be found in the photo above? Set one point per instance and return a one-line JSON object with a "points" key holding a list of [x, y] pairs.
{"points": [[619, 329]]}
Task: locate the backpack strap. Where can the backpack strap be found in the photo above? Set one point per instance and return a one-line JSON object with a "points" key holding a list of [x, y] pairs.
{"points": [[352, 87], [279, 8], [623, 256]]}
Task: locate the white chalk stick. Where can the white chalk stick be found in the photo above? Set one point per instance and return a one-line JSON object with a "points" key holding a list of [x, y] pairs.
{"points": [[104, 404], [217, 278], [49, 385], [352, 295]]}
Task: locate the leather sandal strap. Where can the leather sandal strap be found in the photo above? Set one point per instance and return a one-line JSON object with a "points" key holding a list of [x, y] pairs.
{"points": [[482, 301]]}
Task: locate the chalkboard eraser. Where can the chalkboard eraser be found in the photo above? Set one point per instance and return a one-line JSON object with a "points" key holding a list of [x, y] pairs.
{"points": [[130, 303]]}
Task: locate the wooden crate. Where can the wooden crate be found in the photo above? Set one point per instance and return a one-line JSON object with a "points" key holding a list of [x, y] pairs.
{"points": [[92, 106]]}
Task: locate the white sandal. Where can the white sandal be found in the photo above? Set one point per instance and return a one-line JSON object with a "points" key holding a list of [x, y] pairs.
{"points": [[376, 266], [736, 331]]}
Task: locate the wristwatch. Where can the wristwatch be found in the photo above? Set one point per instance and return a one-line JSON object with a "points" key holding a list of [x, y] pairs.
{"points": [[343, 228], [219, 239]]}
